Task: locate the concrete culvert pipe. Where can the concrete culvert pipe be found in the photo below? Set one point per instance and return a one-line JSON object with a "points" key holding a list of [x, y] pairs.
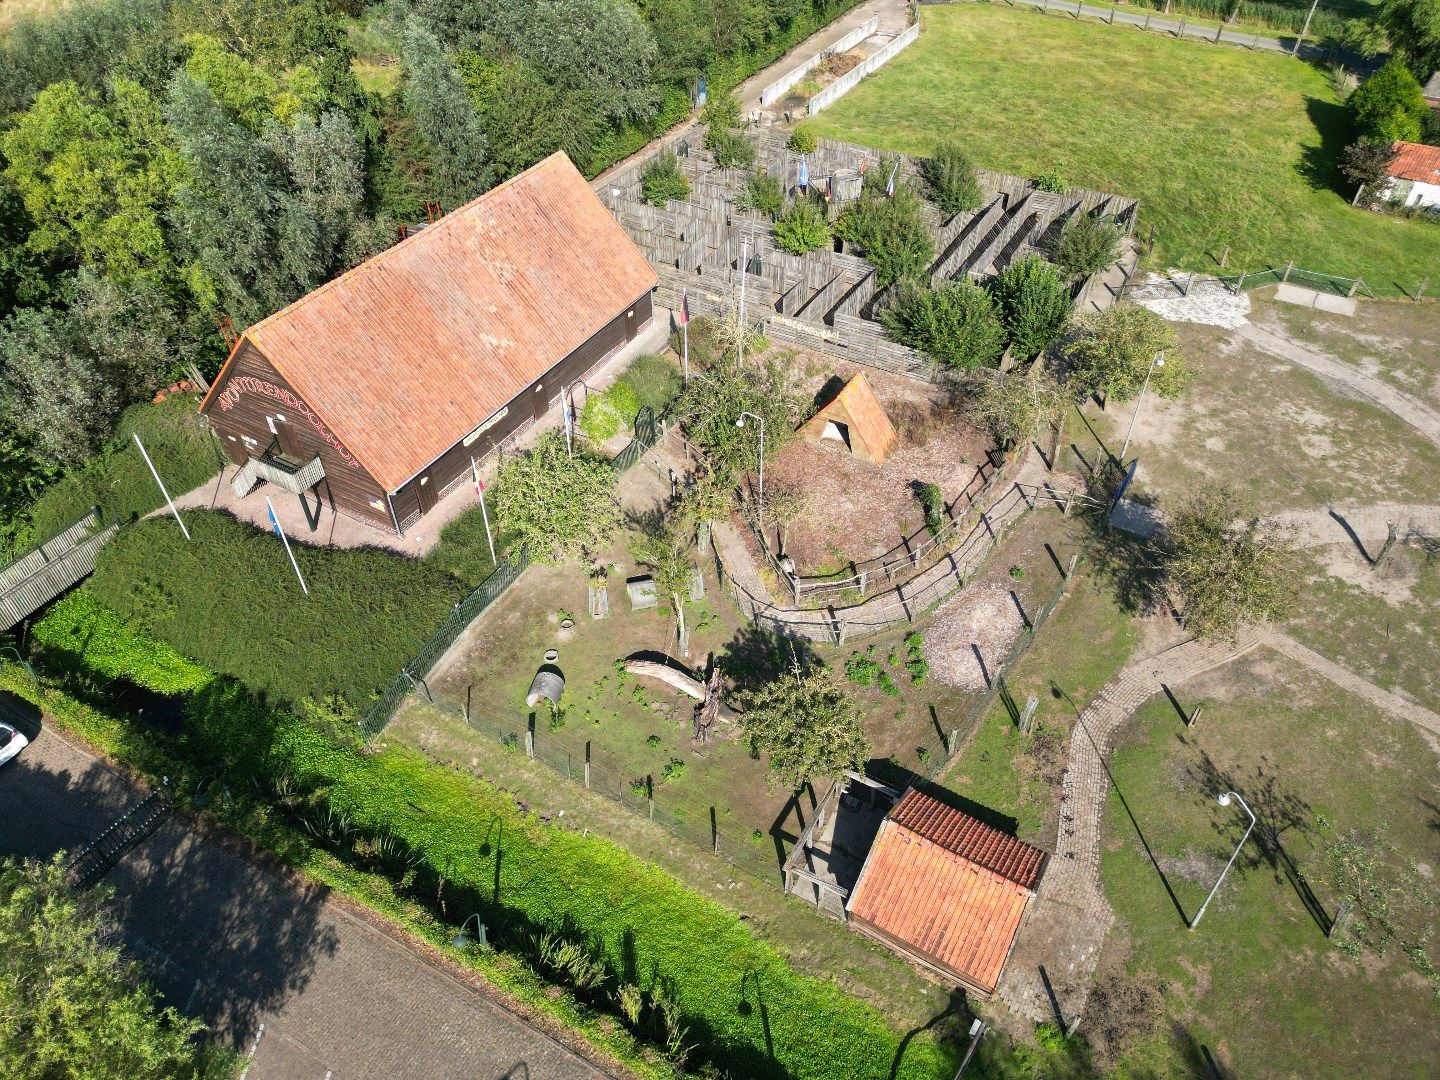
{"points": [[548, 683]]}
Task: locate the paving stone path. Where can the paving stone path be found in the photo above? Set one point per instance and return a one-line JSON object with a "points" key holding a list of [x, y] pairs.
{"points": [[1049, 973]]}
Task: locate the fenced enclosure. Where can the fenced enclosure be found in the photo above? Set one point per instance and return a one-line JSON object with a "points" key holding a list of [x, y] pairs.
{"points": [[1314, 279], [827, 300], [412, 676]]}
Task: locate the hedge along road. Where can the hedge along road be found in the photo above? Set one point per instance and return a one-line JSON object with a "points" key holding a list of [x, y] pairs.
{"points": [[275, 966]]}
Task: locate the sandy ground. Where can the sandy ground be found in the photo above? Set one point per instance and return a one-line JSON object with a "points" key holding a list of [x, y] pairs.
{"points": [[979, 622]]}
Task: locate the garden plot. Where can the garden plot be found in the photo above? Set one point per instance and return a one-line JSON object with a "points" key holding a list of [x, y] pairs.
{"points": [[857, 510]]}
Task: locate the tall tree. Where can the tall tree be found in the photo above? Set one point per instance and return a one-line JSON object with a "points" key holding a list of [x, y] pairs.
{"points": [[251, 244], [1034, 304], [665, 546], [1226, 570], [1114, 349], [527, 117], [1389, 105], [563, 508], [1016, 405], [95, 173], [1413, 27], [445, 118], [807, 724], [326, 164], [71, 1008]]}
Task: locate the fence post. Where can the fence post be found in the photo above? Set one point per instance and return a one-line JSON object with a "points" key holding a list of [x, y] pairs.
{"points": [[953, 742], [587, 764], [1421, 290], [1224, 256], [1240, 285], [1194, 716], [1354, 284], [1148, 14], [1218, 31], [1068, 500], [530, 739], [1074, 562], [1288, 267]]}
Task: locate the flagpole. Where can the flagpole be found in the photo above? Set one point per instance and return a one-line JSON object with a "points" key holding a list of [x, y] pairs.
{"points": [[744, 257], [685, 348], [484, 514], [281, 533], [161, 484]]}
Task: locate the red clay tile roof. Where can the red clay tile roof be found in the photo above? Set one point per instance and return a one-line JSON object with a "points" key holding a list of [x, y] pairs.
{"points": [[855, 403], [969, 838], [1414, 161], [409, 352], [928, 883]]}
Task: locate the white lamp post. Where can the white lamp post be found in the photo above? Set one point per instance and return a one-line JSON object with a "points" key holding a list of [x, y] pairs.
{"points": [[740, 423], [1159, 361], [1225, 801]]}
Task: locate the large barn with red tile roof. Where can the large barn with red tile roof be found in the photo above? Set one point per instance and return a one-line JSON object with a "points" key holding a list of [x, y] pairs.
{"points": [[377, 390], [945, 890]]}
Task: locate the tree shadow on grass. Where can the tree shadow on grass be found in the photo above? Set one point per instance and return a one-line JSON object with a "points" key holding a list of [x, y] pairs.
{"points": [[1278, 812], [1319, 166]]}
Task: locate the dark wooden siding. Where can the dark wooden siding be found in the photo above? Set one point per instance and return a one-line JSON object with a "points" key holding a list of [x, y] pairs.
{"points": [[455, 462], [253, 390]]}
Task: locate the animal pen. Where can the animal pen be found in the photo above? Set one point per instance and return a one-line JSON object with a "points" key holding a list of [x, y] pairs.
{"points": [[827, 300]]}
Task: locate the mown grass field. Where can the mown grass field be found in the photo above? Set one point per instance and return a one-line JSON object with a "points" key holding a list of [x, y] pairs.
{"points": [[1257, 982], [1221, 146]]}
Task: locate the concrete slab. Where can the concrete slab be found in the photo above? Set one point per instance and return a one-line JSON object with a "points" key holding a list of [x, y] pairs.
{"points": [[1312, 298], [1335, 305]]}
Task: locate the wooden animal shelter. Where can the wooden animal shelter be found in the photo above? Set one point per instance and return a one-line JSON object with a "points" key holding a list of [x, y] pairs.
{"points": [[853, 419]]}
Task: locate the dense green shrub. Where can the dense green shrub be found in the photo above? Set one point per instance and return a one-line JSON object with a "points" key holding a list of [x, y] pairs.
{"points": [[1034, 304], [560, 505], [803, 140], [762, 192], [463, 552], [956, 323], [116, 480], [1053, 181], [229, 599], [1087, 245], [608, 413], [732, 149], [655, 380], [890, 233], [1389, 105], [802, 228], [954, 187], [709, 408], [662, 180]]}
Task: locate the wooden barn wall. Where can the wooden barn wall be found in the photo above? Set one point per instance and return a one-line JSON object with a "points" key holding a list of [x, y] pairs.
{"points": [[252, 390], [455, 462]]}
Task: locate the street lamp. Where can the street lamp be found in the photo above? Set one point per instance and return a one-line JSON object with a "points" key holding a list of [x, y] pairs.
{"points": [[1159, 361], [977, 1031], [740, 423], [1225, 801], [462, 940]]}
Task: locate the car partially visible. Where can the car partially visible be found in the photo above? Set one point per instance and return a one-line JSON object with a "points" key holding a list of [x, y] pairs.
{"points": [[11, 742]]}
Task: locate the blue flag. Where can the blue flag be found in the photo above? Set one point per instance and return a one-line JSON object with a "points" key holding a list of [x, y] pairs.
{"points": [[804, 173], [273, 522]]}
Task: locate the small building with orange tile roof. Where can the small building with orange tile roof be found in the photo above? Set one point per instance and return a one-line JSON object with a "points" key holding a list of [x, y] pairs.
{"points": [[854, 419], [376, 391], [945, 890], [1414, 175]]}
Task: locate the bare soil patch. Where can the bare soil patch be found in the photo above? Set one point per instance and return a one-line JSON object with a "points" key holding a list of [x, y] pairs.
{"points": [[971, 634]]}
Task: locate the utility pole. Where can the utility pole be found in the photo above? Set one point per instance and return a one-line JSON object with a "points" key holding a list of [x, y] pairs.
{"points": [[1306, 28]]}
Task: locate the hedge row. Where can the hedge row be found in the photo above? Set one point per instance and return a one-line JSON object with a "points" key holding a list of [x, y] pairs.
{"points": [[469, 847]]}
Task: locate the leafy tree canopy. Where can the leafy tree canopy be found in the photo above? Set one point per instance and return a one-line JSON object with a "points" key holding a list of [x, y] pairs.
{"points": [[1389, 105], [1016, 405], [1413, 27], [1087, 245], [1114, 349], [710, 405], [445, 118], [954, 185], [955, 323], [563, 508], [807, 724], [1034, 304], [249, 91], [71, 1008], [1226, 573], [889, 232]]}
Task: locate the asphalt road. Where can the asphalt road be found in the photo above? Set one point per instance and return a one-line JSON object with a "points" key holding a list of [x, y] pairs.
{"points": [[274, 966]]}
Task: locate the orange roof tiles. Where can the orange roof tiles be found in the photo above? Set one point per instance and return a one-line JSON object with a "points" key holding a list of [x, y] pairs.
{"points": [[872, 436], [947, 886], [409, 352], [1416, 162]]}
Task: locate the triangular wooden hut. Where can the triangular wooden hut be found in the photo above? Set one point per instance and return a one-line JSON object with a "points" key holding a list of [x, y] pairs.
{"points": [[853, 419]]}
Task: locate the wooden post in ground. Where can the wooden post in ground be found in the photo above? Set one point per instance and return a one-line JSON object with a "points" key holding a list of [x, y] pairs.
{"points": [[1421, 290], [1355, 284], [1240, 285], [587, 764], [1074, 562], [1288, 267], [1225, 257], [1218, 31], [1194, 716]]}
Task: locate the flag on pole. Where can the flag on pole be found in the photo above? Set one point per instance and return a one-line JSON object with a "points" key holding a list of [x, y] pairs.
{"points": [[684, 316], [274, 522], [890, 183], [864, 164], [475, 476], [804, 179]]}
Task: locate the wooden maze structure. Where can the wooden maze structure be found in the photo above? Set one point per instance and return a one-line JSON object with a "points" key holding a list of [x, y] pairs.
{"points": [[827, 300]]}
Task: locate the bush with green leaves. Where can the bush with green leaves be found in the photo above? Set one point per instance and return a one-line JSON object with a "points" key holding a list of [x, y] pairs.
{"points": [[609, 412], [803, 140], [560, 505], [1016, 405], [802, 228], [763, 193], [932, 504], [1087, 245], [890, 232], [1034, 304], [1390, 104], [955, 323], [954, 185], [807, 724], [662, 180], [732, 150], [1113, 352], [1052, 181], [709, 408], [654, 379]]}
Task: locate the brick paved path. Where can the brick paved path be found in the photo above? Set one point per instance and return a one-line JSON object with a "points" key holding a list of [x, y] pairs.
{"points": [[316, 986], [1066, 926]]}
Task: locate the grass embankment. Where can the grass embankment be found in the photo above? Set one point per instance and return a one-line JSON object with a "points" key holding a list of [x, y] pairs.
{"points": [[451, 845], [1222, 147], [1257, 982], [1014, 778]]}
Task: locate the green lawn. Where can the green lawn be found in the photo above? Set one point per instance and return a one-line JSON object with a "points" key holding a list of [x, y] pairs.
{"points": [[1257, 983], [1221, 146]]}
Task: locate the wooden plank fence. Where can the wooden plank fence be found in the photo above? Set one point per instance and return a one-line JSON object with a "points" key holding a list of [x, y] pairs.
{"points": [[66, 567]]}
